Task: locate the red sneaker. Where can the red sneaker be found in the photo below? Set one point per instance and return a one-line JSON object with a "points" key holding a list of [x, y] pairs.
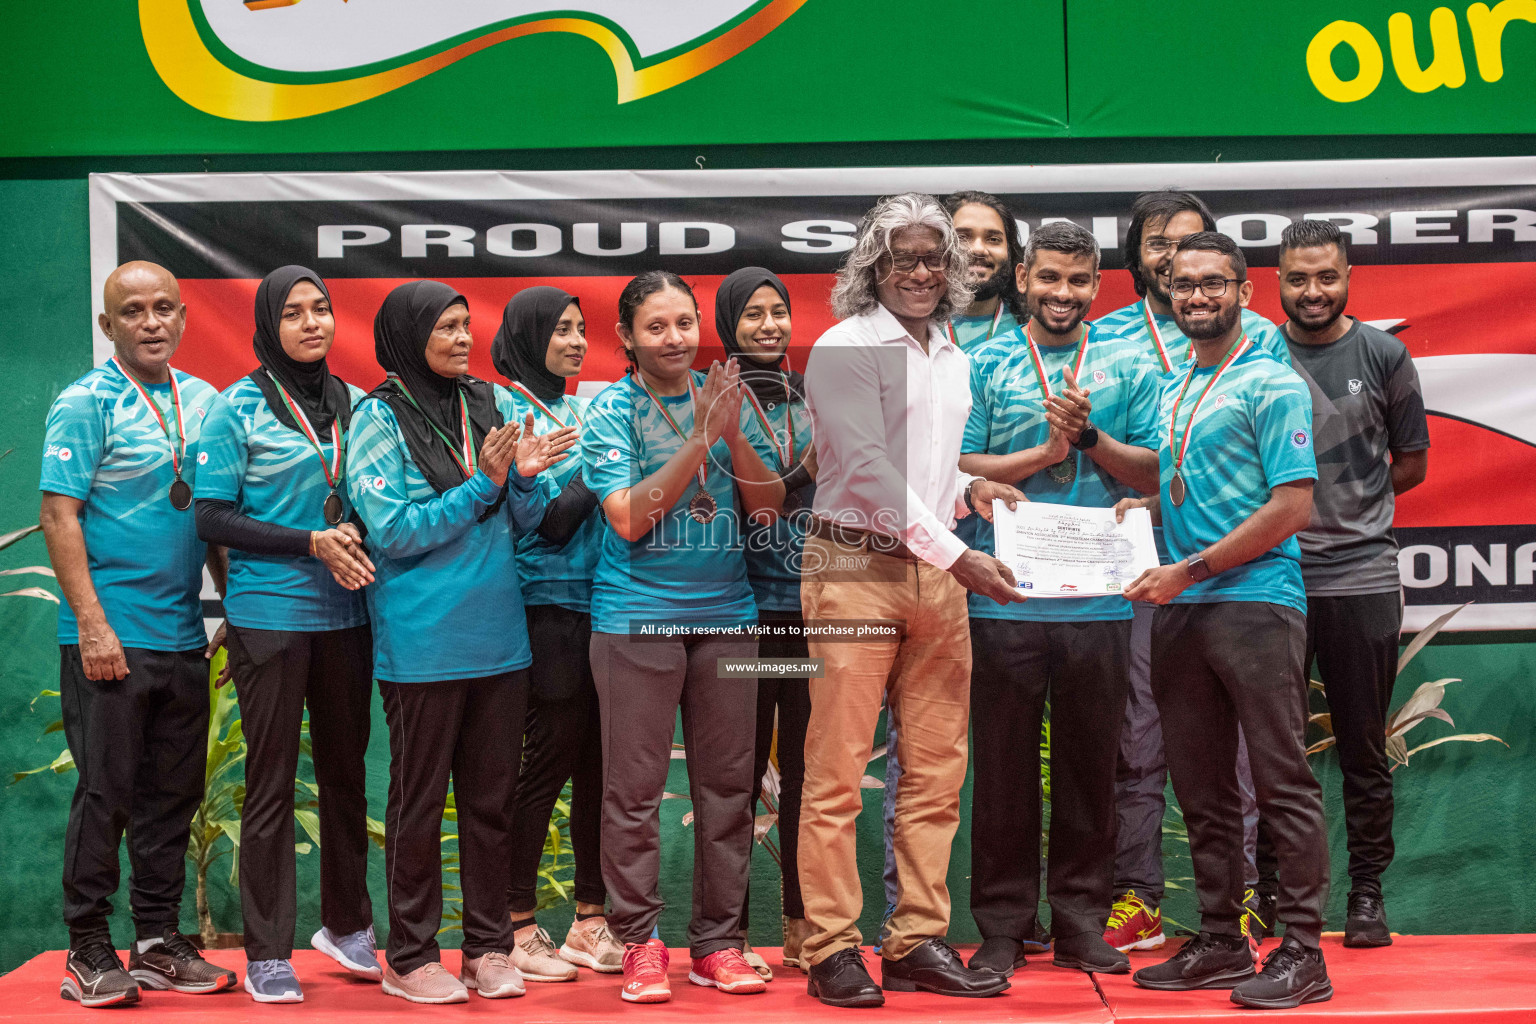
{"points": [[1134, 925], [728, 971], [645, 972]]}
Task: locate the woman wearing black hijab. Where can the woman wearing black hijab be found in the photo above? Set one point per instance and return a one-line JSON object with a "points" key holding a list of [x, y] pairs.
{"points": [[441, 480], [753, 322], [540, 345], [272, 492]]}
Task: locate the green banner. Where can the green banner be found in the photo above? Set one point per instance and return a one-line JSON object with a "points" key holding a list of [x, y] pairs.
{"points": [[1309, 67], [106, 77]]}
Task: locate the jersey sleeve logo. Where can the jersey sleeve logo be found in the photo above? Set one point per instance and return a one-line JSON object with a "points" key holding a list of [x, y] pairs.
{"points": [[1300, 438], [1355, 386], [61, 452], [202, 458]]}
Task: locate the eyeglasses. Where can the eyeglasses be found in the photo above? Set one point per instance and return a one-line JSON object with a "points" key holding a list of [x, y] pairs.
{"points": [[905, 263], [1210, 287], [1160, 244]]}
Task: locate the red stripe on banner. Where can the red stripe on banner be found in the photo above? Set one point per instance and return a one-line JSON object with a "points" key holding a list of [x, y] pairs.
{"points": [[1476, 478], [220, 322]]}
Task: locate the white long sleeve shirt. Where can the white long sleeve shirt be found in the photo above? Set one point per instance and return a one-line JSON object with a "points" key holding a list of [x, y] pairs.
{"points": [[888, 420]]}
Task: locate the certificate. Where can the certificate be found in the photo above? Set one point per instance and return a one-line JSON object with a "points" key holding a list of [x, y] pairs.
{"points": [[1066, 551]]}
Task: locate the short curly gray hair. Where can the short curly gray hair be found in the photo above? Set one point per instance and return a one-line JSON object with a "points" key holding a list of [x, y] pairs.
{"points": [[855, 294]]}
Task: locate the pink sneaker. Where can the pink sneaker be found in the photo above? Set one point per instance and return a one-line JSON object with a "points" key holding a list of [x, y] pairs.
{"points": [[645, 972], [728, 971]]}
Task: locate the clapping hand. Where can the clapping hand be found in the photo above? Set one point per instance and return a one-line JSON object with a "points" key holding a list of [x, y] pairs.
{"points": [[537, 452]]}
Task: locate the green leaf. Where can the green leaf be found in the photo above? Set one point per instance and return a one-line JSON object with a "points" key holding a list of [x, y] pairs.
{"points": [[302, 848], [1424, 636], [65, 762], [310, 822], [1466, 737]]}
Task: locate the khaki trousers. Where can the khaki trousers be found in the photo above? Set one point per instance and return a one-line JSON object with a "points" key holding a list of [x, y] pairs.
{"points": [[925, 678]]}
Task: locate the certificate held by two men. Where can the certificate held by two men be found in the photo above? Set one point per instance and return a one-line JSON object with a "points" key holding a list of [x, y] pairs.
{"points": [[1067, 551]]}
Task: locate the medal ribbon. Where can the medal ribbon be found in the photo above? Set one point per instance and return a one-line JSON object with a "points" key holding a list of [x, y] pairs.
{"points": [[701, 473], [546, 410], [1180, 447], [1039, 363], [1157, 339], [786, 451], [996, 319], [179, 449], [332, 469], [464, 455]]}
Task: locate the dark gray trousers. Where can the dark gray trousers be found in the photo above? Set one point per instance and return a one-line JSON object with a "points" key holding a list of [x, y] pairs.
{"points": [[640, 685], [1215, 668]]}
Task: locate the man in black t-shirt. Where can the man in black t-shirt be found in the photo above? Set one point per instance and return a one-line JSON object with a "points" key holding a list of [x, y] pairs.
{"points": [[1366, 405]]}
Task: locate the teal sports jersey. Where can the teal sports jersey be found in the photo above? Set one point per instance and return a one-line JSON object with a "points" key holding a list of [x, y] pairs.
{"points": [[1008, 415], [271, 473], [552, 574], [683, 571], [104, 446], [1131, 322], [445, 602], [773, 551], [972, 332], [1252, 433]]}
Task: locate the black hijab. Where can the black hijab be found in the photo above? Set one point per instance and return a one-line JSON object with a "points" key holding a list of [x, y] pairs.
{"points": [[765, 379], [323, 397], [401, 330], [521, 347]]}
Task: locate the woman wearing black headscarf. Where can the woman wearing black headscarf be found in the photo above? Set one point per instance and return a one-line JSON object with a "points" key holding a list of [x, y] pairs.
{"points": [[272, 492], [441, 479], [753, 322], [542, 343]]}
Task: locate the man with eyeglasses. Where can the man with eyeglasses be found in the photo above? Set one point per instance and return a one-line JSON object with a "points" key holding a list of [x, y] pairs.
{"points": [[1159, 221], [1366, 405], [1229, 638], [888, 395]]}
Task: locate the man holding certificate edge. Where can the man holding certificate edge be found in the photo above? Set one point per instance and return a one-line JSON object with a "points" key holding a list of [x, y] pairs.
{"points": [[1236, 472], [1066, 411]]}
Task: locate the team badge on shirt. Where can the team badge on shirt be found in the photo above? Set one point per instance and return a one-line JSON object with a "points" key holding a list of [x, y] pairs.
{"points": [[1355, 386], [1099, 376], [1300, 438]]}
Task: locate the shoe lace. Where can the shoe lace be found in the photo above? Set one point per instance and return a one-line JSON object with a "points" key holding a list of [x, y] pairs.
{"points": [[730, 959], [600, 935], [845, 957], [1364, 904], [1284, 959], [1125, 908], [98, 956], [1251, 916], [495, 959], [180, 947], [268, 968], [1198, 946], [642, 957], [538, 943], [944, 949], [431, 969]]}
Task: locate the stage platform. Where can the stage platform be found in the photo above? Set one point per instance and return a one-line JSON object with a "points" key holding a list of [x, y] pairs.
{"points": [[1463, 979]]}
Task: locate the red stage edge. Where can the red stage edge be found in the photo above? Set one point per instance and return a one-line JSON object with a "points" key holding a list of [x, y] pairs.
{"points": [[1464, 979]]}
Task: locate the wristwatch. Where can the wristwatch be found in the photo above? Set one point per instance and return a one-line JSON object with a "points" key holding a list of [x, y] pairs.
{"points": [[1087, 439], [1199, 572], [967, 497]]}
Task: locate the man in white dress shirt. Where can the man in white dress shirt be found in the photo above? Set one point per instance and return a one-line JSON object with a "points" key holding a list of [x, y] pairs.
{"points": [[889, 395]]}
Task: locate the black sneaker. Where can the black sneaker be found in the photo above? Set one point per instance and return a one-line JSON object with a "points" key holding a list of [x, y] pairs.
{"points": [[1087, 951], [174, 963], [998, 954], [1293, 974], [94, 976], [1206, 961], [1367, 922]]}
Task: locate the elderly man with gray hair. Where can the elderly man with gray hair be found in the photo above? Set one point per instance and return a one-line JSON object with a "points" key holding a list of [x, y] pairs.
{"points": [[1067, 410], [884, 580]]}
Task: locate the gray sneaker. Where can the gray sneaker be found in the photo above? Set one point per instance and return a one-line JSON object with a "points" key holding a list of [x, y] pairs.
{"points": [[273, 981], [357, 951]]}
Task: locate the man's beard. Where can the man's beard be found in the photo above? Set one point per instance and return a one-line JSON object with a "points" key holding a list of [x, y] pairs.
{"points": [[1154, 286], [993, 286], [1210, 327], [1330, 316]]}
